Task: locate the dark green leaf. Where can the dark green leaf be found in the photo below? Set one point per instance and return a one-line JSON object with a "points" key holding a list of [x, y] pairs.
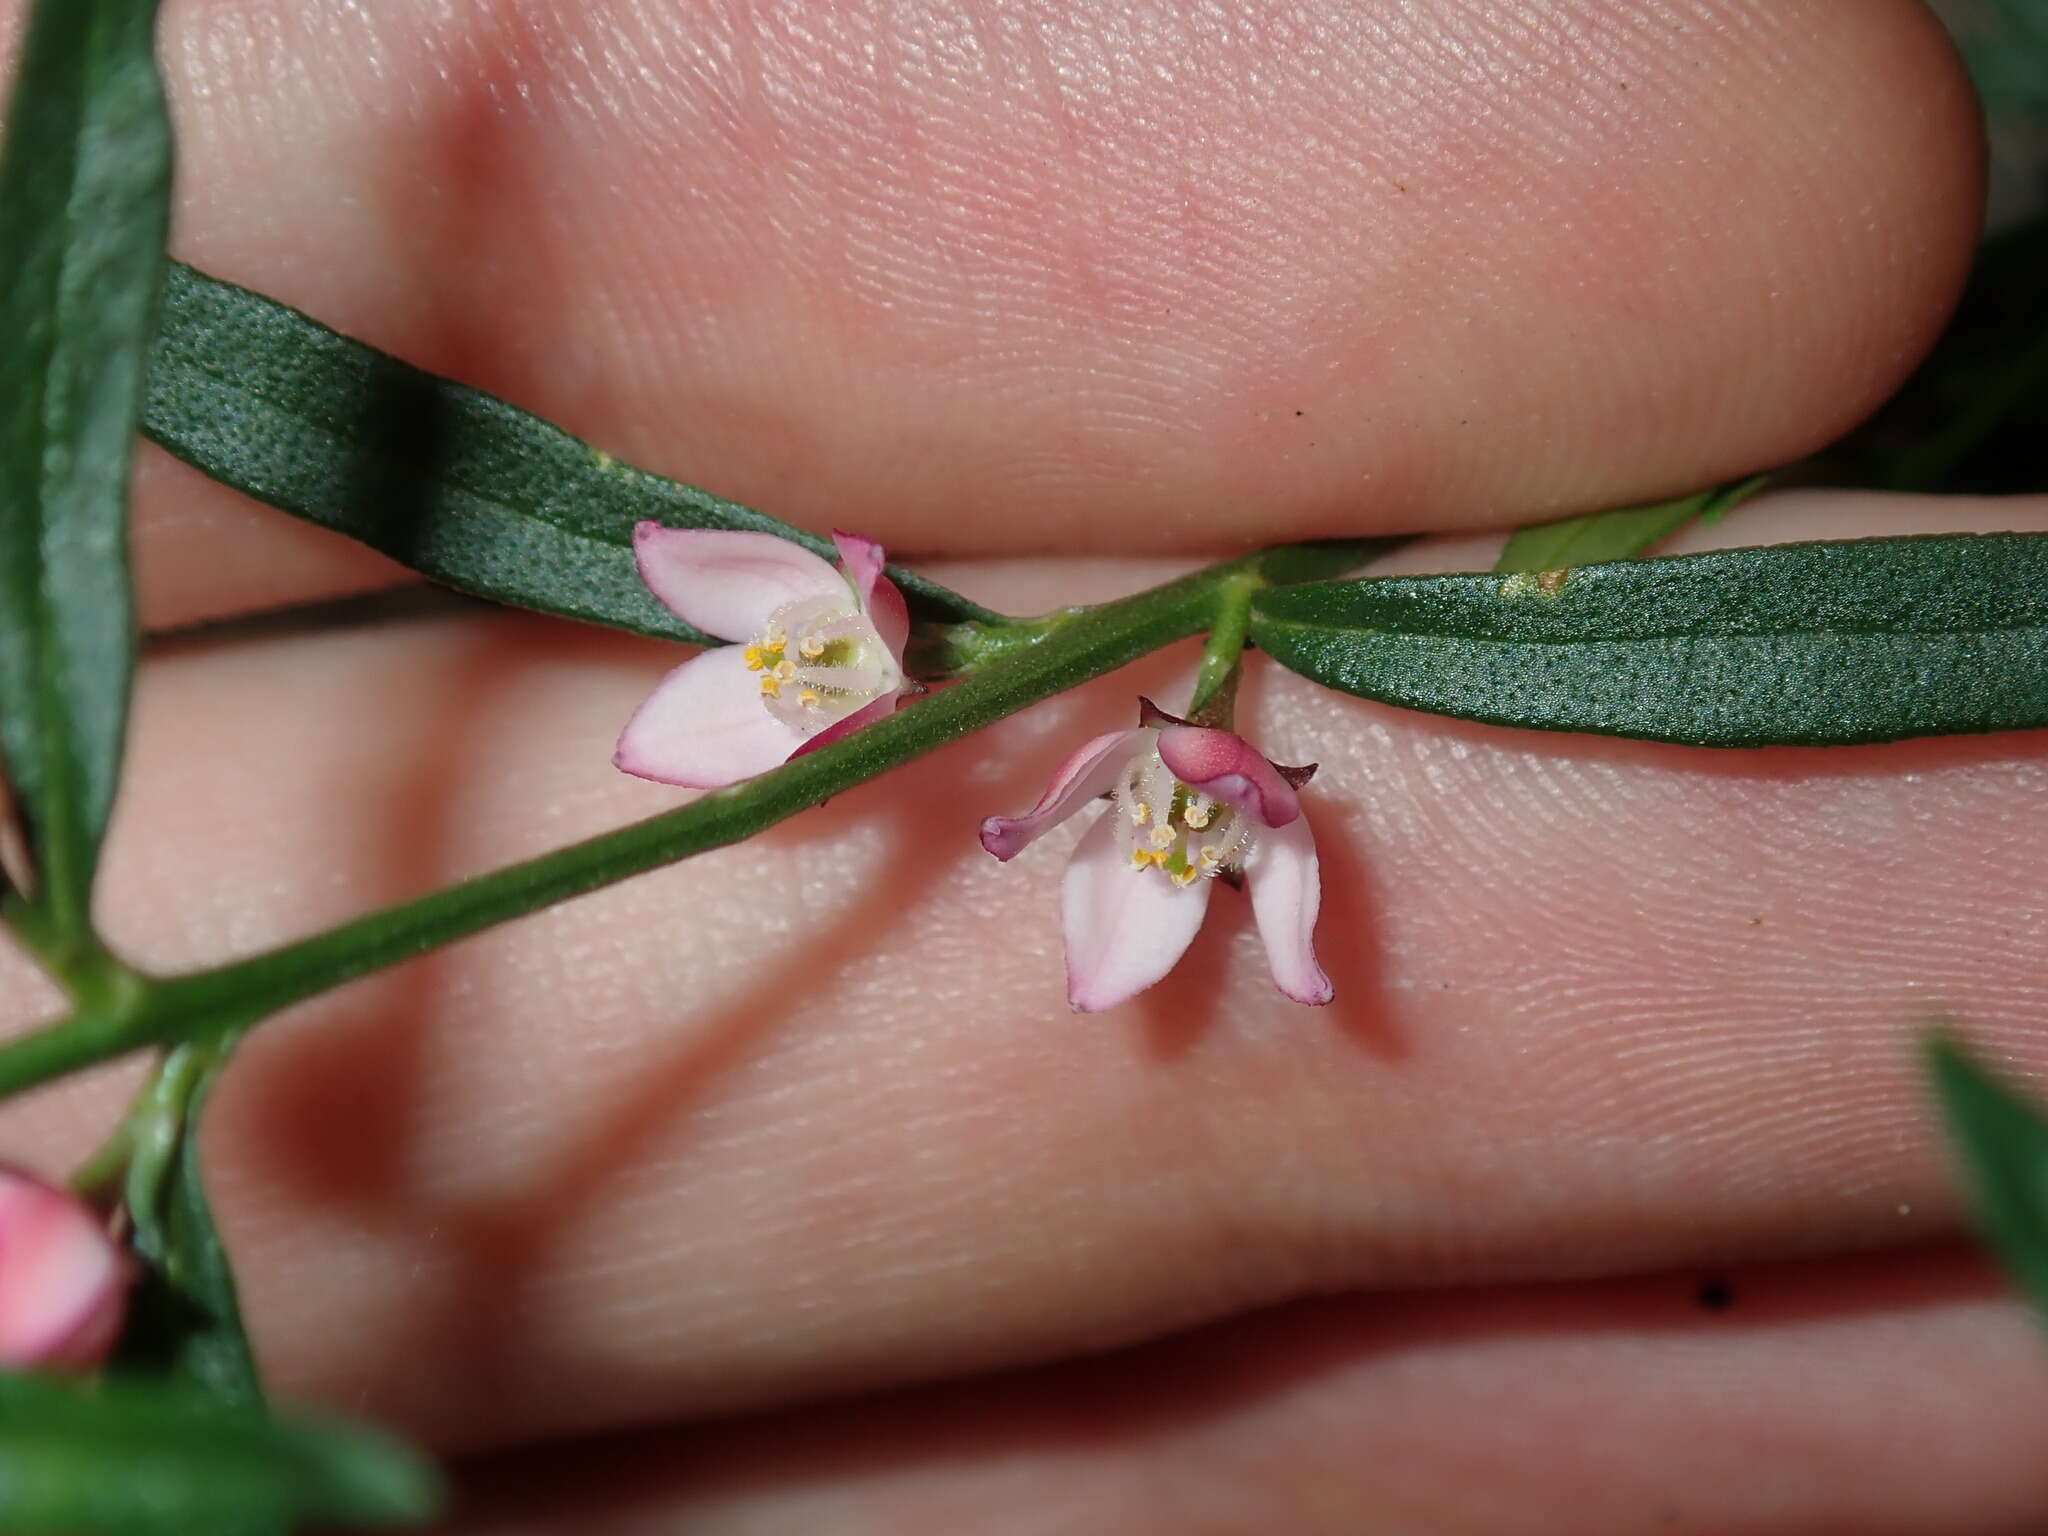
{"points": [[84, 189], [446, 479], [1806, 644], [134, 1458], [184, 1318], [1621, 534], [2003, 1140]]}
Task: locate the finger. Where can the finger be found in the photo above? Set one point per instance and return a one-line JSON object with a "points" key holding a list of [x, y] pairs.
{"points": [[1001, 279], [809, 1115], [1879, 1397]]}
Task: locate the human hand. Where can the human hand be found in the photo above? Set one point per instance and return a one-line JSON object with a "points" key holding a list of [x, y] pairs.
{"points": [[807, 1117]]}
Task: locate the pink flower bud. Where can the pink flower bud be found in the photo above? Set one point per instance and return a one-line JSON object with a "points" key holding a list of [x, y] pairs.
{"points": [[63, 1280]]}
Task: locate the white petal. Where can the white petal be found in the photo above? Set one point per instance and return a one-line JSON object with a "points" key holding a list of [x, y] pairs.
{"points": [[1125, 928], [704, 726], [726, 583], [1287, 892]]}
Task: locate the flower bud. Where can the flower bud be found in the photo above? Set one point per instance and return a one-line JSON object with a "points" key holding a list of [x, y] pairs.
{"points": [[63, 1279]]}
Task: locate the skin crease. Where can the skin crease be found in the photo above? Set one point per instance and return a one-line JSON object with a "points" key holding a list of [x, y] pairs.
{"points": [[745, 1134]]}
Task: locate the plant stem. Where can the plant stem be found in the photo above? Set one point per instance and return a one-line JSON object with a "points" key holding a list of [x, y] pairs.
{"points": [[1223, 654], [205, 1005]]}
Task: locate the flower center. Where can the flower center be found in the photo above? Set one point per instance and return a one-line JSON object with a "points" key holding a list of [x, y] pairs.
{"points": [[820, 659], [1162, 824]]}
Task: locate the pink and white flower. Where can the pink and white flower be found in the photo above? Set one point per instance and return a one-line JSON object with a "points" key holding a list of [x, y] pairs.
{"points": [[63, 1280], [1188, 803], [817, 652]]}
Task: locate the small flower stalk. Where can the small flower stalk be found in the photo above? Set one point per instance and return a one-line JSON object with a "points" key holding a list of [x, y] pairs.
{"points": [[1188, 803], [816, 653], [63, 1280]]}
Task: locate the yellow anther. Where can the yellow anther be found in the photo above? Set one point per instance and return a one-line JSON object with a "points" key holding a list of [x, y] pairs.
{"points": [[1163, 837], [771, 685], [1184, 876], [754, 661], [1196, 814], [1144, 858], [1210, 858], [1140, 813], [786, 670], [773, 638], [808, 698], [812, 647]]}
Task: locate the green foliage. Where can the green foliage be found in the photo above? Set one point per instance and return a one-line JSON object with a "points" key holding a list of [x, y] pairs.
{"points": [[454, 483], [1801, 644], [141, 1458], [84, 194], [2003, 1142], [184, 1318], [1621, 534]]}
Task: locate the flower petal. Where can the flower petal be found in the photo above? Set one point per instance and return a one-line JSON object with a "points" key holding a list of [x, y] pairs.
{"points": [[1089, 772], [727, 583], [63, 1282], [890, 616], [1287, 892], [1225, 765], [861, 561], [1125, 928], [838, 730], [704, 727]]}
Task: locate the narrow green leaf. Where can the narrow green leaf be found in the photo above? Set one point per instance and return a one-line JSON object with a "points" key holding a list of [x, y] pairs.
{"points": [[452, 482], [1797, 644], [2003, 1140], [134, 1458], [84, 193], [184, 1318], [1621, 534]]}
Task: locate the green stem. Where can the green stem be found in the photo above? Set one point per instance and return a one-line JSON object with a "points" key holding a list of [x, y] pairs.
{"points": [[1223, 654], [206, 1005], [140, 1148]]}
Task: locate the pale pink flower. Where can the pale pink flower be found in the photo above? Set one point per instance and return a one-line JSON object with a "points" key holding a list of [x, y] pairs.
{"points": [[63, 1280], [817, 652], [1188, 803]]}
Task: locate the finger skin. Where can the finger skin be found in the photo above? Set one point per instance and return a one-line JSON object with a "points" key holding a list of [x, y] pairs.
{"points": [[1153, 276], [1892, 1397], [807, 1115]]}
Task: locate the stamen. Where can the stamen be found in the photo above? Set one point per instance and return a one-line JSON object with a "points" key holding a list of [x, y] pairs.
{"points": [[785, 670], [1198, 811], [812, 647], [754, 661], [771, 685], [1140, 813], [808, 698], [1163, 837]]}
